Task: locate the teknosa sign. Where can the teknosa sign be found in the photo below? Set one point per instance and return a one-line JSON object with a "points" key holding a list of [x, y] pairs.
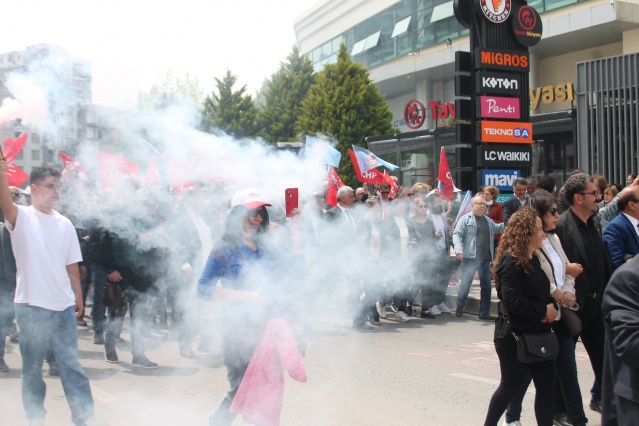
{"points": [[499, 107], [505, 132]]}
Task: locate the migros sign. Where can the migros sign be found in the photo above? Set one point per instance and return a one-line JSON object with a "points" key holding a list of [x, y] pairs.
{"points": [[506, 132], [502, 60]]}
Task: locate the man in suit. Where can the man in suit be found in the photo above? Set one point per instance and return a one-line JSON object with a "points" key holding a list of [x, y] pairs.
{"points": [[342, 235], [620, 386], [621, 236], [516, 201], [580, 237]]}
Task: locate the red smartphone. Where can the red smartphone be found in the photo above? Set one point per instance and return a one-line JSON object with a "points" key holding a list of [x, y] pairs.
{"points": [[292, 200]]}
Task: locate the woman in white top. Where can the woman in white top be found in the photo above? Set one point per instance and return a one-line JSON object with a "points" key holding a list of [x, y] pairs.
{"points": [[562, 276]]}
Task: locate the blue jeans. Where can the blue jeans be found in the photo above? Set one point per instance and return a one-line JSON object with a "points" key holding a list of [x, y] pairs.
{"points": [[468, 268], [40, 329], [98, 311]]}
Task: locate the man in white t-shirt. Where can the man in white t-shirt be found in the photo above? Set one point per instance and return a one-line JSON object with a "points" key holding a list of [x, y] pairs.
{"points": [[48, 297]]}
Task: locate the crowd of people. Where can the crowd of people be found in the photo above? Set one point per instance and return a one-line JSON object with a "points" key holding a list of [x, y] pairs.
{"points": [[172, 258]]}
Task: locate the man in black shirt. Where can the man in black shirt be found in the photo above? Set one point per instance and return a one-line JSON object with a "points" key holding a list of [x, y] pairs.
{"points": [[581, 240]]}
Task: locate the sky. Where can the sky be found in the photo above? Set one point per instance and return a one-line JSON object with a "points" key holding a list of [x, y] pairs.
{"points": [[133, 43]]}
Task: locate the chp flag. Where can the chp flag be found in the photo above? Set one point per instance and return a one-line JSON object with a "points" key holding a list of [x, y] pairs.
{"points": [[371, 176]]}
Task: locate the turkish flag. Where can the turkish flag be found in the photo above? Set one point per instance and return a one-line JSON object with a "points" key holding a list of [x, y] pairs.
{"points": [[11, 148], [334, 183], [113, 168], [372, 176], [445, 184]]}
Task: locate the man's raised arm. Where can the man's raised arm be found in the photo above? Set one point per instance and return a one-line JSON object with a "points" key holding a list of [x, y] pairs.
{"points": [[6, 201]]}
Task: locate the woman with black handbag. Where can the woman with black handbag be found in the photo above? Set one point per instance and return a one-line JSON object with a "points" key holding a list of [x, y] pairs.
{"points": [[526, 313], [561, 274]]}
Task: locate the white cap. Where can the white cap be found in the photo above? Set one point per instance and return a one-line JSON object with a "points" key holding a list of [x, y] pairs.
{"points": [[248, 198], [27, 190]]}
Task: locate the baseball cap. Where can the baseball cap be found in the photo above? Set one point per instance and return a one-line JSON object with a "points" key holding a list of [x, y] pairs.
{"points": [[248, 198]]}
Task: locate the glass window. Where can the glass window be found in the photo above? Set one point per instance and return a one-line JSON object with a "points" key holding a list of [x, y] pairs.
{"points": [[442, 11], [372, 40], [358, 47], [403, 9], [337, 41], [401, 27], [315, 54], [327, 49]]}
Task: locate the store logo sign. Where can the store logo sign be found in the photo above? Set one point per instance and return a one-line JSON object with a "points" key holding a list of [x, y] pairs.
{"points": [[414, 114], [499, 155], [502, 179], [496, 11], [527, 26], [497, 83], [499, 107], [502, 60], [506, 132]]}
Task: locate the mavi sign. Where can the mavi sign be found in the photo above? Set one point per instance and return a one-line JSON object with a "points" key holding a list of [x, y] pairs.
{"points": [[502, 179]]}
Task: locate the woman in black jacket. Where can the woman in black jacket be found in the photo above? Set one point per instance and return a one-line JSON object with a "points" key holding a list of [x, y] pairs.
{"points": [[526, 306]]}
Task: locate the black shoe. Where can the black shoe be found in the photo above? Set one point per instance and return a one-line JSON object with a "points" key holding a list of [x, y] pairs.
{"points": [[595, 406], [488, 318], [362, 326], [560, 419], [459, 312], [144, 362], [427, 315], [98, 339], [111, 356]]}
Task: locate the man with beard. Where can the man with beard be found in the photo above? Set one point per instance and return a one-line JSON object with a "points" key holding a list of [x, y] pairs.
{"points": [[580, 237]]}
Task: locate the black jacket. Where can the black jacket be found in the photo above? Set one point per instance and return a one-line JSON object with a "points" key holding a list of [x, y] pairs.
{"points": [[620, 382], [524, 295]]}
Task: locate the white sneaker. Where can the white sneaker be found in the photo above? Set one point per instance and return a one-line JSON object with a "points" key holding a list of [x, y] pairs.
{"points": [[515, 423], [444, 309], [401, 316], [381, 310], [434, 310], [92, 421]]}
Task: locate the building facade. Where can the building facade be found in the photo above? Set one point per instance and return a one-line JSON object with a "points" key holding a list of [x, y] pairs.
{"points": [[409, 48], [68, 81]]}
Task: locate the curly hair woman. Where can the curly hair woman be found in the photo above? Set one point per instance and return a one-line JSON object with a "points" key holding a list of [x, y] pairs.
{"points": [[525, 305]]}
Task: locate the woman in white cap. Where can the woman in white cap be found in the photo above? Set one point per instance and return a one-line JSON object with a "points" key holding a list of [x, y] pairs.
{"points": [[247, 269]]}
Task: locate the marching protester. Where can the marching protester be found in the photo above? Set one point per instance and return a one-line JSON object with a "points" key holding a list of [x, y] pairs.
{"points": [[48, 295], [526, 308], [248, 267]]}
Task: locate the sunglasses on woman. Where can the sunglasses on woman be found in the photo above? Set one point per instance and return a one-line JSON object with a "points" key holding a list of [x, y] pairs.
{"points": [[254, 212]]}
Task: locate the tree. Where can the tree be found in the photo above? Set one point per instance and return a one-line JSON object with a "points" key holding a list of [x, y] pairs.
{"points": [[345, 104], [172, 89], [232, 112], [283, 98]]}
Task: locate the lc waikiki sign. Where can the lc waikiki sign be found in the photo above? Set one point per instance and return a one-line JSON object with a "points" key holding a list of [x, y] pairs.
{"points": [[499, 107], [505, 132]]}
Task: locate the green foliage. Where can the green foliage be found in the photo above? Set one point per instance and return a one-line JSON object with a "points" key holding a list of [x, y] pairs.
{"points": [[283, 98], [172, 89], [345, 104], [232, 112]]}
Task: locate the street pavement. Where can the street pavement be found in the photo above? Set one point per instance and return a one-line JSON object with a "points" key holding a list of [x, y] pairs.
{"points": [[425, 372]]}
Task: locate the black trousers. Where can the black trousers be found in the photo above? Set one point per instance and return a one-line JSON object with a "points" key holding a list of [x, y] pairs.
{"points": [[592, 334], [513, 376]]}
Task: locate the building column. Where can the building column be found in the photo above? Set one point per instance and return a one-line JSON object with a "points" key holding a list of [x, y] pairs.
{"points": [[424, 92], [533, 75]]}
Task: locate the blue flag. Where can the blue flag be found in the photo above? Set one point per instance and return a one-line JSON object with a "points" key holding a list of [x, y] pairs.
{"points": [[316, 146], [367, 160]]}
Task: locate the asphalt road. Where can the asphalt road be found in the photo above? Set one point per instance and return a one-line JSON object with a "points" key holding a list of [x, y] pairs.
{"points": [[424, 372]]}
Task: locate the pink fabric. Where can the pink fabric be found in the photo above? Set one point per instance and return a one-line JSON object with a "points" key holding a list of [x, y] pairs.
{"points": [[261, 393]]}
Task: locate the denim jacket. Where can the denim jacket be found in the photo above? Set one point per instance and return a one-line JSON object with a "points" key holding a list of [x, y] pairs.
{"points": [[466, 231]]}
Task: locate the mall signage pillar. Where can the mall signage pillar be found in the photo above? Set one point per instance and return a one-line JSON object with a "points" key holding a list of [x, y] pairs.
{"points": [[492, 81]]}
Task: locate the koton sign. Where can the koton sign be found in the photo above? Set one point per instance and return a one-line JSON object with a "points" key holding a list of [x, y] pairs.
{"points": [[502, 179], [498, 107], [505, 132], [497, 83], [499, 155]]}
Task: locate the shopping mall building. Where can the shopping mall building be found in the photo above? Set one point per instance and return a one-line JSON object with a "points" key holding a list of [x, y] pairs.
{"points": [[584, 81]]}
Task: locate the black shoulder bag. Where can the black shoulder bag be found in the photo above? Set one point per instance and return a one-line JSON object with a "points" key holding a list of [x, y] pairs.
{"points": [[534, 347]]}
